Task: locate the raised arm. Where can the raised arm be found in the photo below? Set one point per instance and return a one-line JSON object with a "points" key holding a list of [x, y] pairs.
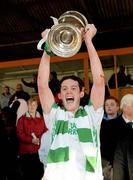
{"points": [[45, 94], [98, 88]]}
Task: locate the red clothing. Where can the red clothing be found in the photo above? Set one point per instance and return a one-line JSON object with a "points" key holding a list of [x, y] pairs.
{"points": [[25, 127], [57, 100]]}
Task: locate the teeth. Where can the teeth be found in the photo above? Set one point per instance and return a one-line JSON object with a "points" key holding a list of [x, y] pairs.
{"points": [[69, 98]]}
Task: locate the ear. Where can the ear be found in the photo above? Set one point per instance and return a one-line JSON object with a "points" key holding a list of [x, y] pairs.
{"points": [[82, 93], [59, 95]]}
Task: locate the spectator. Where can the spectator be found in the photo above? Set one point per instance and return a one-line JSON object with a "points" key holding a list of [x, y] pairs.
{"points": [[32, 84], [5, 97], [20, 106], [107, 134], [30, 128], [8, 145], [20, 93], [123, 159], [111, 108], [112, 131], [121, 79]]}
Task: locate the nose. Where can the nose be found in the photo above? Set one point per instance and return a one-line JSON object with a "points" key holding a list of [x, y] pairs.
{"points": [[69, 91]]}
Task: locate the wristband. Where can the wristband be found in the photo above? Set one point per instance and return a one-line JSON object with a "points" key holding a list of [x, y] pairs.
{"points": [[46, 47]]}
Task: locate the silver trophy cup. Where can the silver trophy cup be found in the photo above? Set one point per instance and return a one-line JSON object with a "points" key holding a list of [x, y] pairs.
{"points": [[65, 38]]}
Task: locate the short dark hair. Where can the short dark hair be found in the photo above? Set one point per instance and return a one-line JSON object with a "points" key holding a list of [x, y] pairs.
{"points": [[75, 78], [7, 87], [113, 98]]}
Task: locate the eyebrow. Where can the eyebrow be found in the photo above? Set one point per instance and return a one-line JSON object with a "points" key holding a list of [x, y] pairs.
{"points": [[67, 86]]}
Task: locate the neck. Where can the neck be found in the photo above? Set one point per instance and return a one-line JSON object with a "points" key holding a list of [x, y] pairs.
{"points": [[32, 114], [112, 116]]}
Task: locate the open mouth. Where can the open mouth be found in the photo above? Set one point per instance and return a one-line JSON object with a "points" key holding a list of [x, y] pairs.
{"points": [[69, 100]]}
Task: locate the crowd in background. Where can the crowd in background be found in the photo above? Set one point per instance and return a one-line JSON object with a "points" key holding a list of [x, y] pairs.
{"points": [[22, 129]]}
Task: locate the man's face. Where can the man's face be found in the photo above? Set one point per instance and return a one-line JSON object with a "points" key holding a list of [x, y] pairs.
{"points": [[111, 107], [70, 94], [128, 111], [6, 90], [19, 87]]}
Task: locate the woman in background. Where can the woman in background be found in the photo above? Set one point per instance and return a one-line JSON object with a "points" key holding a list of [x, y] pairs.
{"points": [[30, 128]]}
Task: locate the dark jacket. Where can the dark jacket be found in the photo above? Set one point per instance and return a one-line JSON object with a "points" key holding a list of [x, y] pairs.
{"points": [[31, 84], [19, 94], [110, 134], [123, 159]]}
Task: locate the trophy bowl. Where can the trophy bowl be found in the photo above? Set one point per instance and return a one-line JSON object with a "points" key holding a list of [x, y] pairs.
{"points": [[65, 38]]}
